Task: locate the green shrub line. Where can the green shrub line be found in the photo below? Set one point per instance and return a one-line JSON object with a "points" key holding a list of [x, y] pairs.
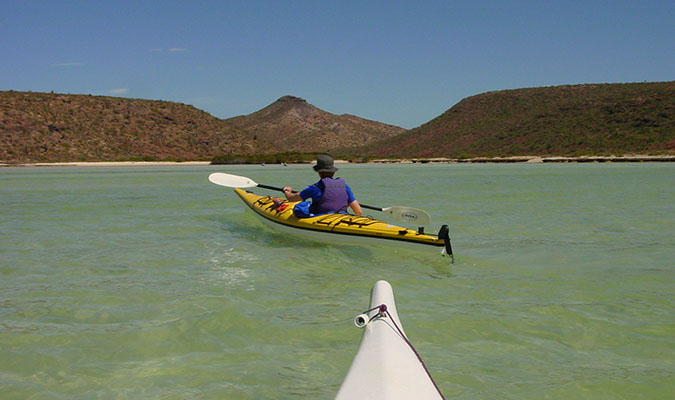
{"points": [[278, 158]]}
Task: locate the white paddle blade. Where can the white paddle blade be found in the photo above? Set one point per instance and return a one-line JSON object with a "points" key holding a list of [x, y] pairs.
{"points": [[413, 215], [233, 181]]}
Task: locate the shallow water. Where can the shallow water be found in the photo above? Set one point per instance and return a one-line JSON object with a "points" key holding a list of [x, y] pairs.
{"points": [[150, 282]]}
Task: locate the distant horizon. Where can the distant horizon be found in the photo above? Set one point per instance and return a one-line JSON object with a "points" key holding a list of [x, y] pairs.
{"points": [[329, 111], [398, 62]]}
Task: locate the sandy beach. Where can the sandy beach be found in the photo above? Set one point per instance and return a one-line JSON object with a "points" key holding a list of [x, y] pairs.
{"points": [[515, 159], [108, 164], [532, 159]]}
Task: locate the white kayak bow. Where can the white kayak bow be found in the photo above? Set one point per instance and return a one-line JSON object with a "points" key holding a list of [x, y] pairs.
{"points": [[386, 365], [401, 213]]}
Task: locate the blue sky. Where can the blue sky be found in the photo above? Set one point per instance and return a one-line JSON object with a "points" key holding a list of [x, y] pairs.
{"points": [[398, 62]]}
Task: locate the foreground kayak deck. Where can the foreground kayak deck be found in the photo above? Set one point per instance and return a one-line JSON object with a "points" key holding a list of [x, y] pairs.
{"points": [[386, 366], [341, 228]]}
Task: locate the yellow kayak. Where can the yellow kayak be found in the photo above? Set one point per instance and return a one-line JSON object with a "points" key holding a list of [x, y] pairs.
{"points": [[342, 228]]}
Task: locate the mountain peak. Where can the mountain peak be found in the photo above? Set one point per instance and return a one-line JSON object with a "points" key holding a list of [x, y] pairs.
{"points": [[287, 104], [292, 100], [295, 125]]}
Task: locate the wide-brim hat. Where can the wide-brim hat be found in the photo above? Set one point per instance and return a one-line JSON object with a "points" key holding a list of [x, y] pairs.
{"points": [[324, 164]]}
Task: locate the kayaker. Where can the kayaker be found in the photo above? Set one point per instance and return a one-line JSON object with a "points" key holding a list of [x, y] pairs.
{"points": [[328, 194]]}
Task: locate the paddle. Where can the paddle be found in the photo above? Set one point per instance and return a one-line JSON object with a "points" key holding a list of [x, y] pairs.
{"points": [[406, 214]]}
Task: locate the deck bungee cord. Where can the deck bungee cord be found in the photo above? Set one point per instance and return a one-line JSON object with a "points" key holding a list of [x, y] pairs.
{"points": [[386, 365], [363, 319]]}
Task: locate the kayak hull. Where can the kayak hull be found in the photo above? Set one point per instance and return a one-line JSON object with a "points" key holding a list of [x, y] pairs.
{"points": [[340, 228], [385, 365]]}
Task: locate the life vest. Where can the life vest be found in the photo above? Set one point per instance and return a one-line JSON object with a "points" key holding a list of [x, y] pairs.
{"points": [[334, 199]]}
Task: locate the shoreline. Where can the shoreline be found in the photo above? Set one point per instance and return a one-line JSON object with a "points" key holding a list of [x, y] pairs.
{"points": [[531, 159], [107, 164], [420, 160]]}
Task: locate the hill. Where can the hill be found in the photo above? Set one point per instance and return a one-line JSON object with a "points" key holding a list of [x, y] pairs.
{"points": [[48, 127], [44, 127], [294, 125], [598, 119]]}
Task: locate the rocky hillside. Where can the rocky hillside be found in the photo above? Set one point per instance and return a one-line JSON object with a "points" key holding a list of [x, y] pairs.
{"points": [[602, 119], [48, 127], [294, 125], [42, 127]]}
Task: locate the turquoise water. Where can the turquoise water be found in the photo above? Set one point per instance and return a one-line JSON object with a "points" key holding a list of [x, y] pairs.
{"points": [[150, 282]]}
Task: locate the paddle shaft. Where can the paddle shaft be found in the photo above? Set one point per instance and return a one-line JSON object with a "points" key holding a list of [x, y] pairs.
{"points": [[406, 214], [281, 190]]}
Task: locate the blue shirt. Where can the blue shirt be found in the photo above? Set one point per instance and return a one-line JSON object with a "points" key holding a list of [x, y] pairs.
{"points": [[315, 192]]}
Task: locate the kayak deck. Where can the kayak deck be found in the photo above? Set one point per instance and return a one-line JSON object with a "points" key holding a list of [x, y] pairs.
{"points": [[280, 212], [386, 366]]}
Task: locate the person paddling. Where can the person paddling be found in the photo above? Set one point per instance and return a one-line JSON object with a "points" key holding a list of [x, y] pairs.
{"points": [[328, 194]]}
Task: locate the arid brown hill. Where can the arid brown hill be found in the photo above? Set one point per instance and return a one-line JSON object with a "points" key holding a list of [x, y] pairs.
{"points": [[48, 127], [43, 127], [294, 125], [602, 119]]}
